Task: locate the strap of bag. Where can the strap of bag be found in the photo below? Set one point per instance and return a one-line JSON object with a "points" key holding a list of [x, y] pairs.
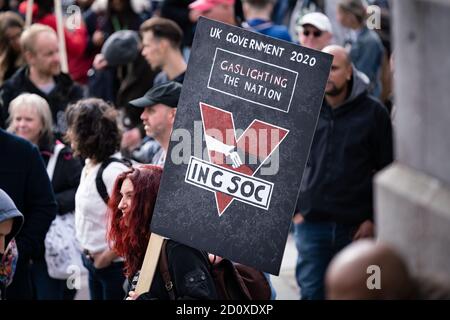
{"points": [[53, 158], [164, 270], [99, 183]]}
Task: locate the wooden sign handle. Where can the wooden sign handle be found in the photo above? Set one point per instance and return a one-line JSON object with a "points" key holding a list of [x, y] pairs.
{"points": [[61, 38], [149, 265], [29, 14]]}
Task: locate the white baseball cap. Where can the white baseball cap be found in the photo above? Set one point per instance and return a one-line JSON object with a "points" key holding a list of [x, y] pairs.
{"points": [[318, 20]]}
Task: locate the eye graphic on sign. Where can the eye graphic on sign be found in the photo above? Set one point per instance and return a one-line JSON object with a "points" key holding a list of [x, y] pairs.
{"points": [[234, 179]]}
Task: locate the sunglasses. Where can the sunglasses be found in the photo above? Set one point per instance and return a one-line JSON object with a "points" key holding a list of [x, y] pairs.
{"points": [[316, 34]]}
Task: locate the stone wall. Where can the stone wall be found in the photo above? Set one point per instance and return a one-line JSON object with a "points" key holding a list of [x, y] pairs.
{"points": [[413, 195]]}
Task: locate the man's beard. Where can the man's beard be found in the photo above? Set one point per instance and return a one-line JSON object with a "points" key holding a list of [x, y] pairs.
{"points": [[52, 71], [335, 91]]}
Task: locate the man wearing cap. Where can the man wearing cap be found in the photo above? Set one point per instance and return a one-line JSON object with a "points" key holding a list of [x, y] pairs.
{"points": [[122, 74], [220, 10], [160, 106], [11, 221], [315, 31]]}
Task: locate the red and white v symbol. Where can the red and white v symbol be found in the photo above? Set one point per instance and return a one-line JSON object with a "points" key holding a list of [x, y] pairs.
{"points": [[260, 140]]}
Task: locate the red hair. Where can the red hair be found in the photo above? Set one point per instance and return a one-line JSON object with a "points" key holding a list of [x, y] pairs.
{"points": [[130, 238]]}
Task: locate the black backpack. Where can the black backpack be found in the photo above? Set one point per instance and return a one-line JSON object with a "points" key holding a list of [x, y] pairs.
{"points": [[101, 187], [233, 281]]}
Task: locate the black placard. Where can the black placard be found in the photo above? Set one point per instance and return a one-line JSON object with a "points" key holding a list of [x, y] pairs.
{"points": [[242, 134]]}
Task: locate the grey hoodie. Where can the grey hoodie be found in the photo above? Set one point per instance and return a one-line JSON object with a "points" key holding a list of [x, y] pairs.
{"points": [[8, 210], [360, 83]]}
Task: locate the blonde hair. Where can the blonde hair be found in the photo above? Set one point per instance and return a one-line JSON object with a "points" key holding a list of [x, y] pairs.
{"points": [[28, 37], [40, 105]]}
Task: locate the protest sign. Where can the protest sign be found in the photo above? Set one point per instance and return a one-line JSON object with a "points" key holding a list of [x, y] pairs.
{"points": [[242, 134]]}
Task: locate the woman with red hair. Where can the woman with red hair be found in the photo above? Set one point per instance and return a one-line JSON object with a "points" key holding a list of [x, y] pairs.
{"points": [[130, 213]]}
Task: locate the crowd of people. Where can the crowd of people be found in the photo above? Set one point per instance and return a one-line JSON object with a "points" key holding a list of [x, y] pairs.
{"points": [[66, 139]]}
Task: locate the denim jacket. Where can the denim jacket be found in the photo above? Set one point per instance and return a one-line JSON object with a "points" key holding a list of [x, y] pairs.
{"points": [[367, 55]]}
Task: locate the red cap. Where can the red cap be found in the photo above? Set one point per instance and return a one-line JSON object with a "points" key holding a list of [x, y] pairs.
{"points": [[205, 5], [23, 8]]}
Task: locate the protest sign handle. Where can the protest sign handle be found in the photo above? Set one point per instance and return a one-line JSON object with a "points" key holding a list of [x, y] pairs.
{"points": [[149, 265], [61, 38], [29, 14]]}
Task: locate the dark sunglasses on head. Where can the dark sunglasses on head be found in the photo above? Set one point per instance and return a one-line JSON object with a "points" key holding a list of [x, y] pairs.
{"points": [[316, 34]]}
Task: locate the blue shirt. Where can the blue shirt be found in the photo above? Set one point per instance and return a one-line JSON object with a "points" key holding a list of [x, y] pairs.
{"points": [[268, 28]]}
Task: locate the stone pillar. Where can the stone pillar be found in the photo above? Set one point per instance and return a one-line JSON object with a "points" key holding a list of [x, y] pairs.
{"points": [[413, 195]]}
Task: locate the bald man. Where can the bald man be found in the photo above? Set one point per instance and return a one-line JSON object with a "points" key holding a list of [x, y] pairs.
{"points": [[353, 140], [367, 270]]}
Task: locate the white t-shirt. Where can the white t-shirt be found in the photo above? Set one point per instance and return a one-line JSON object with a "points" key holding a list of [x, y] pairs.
{"points": [[90, 209]]}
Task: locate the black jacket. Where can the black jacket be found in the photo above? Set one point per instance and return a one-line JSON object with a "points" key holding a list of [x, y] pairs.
{"points": [[66, 178], [351, 143], [122, 84], [189, 273], [65, 92], [24, 178]]}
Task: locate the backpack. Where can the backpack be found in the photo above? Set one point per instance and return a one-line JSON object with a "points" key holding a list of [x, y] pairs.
{"points": [[61, 247], [99, 183], [233, 281]]}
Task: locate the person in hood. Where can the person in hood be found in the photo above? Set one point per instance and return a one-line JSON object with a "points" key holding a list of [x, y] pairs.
{"points": [[24, 178], [353, 140], [11, 221]]}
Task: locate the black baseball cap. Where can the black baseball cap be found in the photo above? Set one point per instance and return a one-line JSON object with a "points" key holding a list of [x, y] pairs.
{"points": [[167, 94]]}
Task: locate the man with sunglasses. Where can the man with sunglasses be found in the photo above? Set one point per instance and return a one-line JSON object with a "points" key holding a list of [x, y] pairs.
{"points": [[315, 31]]}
